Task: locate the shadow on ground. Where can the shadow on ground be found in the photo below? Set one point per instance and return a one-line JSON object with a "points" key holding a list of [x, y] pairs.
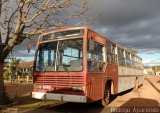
{"points": [[153, 85], [141, 102], [158, 81], [78, 108], [94, 107], [70, 108], [138, 105]]}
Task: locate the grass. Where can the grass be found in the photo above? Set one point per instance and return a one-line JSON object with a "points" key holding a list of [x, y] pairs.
{"points": [[27, 102]]}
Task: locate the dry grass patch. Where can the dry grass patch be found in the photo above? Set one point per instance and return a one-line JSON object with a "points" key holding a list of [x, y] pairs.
{"points": [[27, 102]]}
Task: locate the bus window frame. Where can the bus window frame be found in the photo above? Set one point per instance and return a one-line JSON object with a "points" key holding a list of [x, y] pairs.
{"points": [[111, 53], [104, 55], [60, 39]]}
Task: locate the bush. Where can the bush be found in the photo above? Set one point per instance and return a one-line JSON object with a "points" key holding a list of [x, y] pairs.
{"points": [[6, 75]]}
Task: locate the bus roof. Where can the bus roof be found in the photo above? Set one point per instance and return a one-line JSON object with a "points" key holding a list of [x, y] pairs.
{"points": [[76, 28]]}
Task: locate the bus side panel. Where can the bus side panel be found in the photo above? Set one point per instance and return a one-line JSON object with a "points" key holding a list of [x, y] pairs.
{"points": [[127, 78], [96, 86], [112, 74], [122, 72], [98, 81], [112, 70]]}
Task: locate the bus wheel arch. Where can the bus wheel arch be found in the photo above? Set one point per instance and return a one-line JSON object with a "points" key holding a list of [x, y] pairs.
{"points": [[108, 90]]}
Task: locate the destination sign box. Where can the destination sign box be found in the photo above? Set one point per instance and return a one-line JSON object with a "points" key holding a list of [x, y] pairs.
{"points": [[63, 34]]}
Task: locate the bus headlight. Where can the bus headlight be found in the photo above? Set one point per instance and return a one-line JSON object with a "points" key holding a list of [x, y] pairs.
{"points": [[38, 86], [78, 88]]}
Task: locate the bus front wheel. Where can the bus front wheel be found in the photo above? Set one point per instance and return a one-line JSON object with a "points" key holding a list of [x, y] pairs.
{"points": [[107, 95]]}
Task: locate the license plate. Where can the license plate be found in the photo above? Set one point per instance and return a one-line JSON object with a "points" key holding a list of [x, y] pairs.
{"points": [[47, 87]]}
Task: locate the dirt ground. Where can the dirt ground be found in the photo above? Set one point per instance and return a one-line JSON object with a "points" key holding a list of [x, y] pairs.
{"points": [[148, 96], [16, 90]]}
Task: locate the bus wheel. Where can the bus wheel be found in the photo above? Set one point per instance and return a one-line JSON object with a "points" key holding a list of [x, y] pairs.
{"points": [[136, 85], [107, 95]]}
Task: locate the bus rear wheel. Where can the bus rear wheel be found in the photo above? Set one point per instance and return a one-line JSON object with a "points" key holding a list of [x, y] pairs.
{"points": [[107, 95]]}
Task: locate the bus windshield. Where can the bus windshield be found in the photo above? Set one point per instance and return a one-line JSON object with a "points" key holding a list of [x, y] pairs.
{"points": [[64, 55]]}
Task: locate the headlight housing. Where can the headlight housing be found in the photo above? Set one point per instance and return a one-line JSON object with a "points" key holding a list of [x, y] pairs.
{"points": [[38, 86], [78, 88]]}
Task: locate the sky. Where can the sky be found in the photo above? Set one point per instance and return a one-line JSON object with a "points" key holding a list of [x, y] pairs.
{"points": [[131, 23]]}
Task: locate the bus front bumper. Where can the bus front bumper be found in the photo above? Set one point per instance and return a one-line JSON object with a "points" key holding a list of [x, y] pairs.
{"points": [[61, 97]]}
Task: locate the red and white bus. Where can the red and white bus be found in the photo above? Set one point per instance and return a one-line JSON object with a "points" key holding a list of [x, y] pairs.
{"points": [[80, 65]]}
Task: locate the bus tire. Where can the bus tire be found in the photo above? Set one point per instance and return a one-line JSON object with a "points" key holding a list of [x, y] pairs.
{"points": [[136, 85], [107, 95]]}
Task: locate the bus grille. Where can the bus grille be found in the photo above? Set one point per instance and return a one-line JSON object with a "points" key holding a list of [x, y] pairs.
{"points": [[59, 80]]}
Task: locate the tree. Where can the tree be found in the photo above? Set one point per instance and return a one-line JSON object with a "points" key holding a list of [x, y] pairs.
{"points": [[13, 69], [20, 19]]}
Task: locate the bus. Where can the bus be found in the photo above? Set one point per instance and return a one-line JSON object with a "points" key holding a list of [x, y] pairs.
{"points": [[79, 65]]}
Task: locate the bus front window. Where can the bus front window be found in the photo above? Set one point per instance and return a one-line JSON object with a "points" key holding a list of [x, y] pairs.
{"points": [[63, 55]]}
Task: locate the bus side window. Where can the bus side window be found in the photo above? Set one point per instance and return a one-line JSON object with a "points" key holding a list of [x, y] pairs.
{"points": [[121, 58], [111, 53], [40, 59], [95, 58]]}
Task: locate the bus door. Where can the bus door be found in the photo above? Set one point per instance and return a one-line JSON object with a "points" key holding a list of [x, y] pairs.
{"points": [[96, 59]]}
